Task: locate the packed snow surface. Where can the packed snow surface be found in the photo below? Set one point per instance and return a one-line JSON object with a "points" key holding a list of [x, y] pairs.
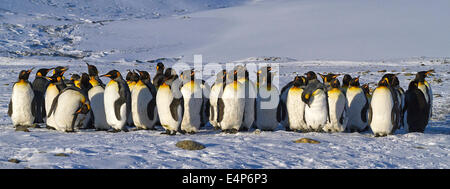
{"points": [[366, 39]]}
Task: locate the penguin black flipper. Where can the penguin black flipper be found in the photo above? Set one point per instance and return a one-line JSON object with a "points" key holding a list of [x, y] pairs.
{"points": [[279, 111], [10, 108], [54, 104], [117, 104], [221, 108], [151, 109], [370, 115], [33, 107], [364, 110], [174, 107]]}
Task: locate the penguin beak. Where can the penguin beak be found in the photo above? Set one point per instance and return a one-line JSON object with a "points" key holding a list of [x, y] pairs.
{"points": [[106, 75]]}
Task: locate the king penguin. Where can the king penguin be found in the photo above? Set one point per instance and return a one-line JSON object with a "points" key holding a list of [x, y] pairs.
{"points": [[295, 107], [158, 79], [131, 78], [425, 87], [56, 85], [268, 107], [416, 108], [327, 79], [216, 92], [231, 105], [337, 104], [250, 97], [169, 101], [315, 97], [97, 99], [22, 104], [40, 85], [345, 83], [283, 100], [117, 99], [71, 107], [399, 95], [357, 106], [193, 99], [143, 102], [383, 113]]}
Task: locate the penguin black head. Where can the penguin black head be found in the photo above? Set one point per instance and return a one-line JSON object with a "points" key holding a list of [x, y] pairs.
{"points": [[84, 81], [346, 80], [327, 78], [299, 81], [187, 75], [75, 77], [392, 79], [143, 75], [128, 76], [413, 85], [160, 67], [384, 82], [84, 109], [113, 74], [221, 76], [60, 70], [334, 83], [355, 82], [170, 74], [366, 88], [420, 76], [310, 75], [306, 97], [25, 74], [43, 72], [92, 70], [134, 76]]}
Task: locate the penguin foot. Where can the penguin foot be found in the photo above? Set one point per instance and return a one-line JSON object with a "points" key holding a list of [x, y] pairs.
{"points": [[183, 132], [49, 127], [172, 133], [243, 129], [216, 128], [167, 132], [192, 132], [114, 130], [231, 131]]}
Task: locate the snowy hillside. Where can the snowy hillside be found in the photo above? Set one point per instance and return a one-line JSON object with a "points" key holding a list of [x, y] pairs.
{"points": [[366, 39]]}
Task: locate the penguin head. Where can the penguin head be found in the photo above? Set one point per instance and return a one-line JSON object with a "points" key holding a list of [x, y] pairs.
{"points": [[143, 75], [310, 75], [84, 109], [221, 76], [334, 83], [366, 88], [92, 70], [128, 76], [43, 72], [160, 67], [327, 78], [346, 80], [187, 75], [420, 76], [384, 82], [242, 72], [413, 85], [134, 77], [25, 74], [306, 96], [75, 79], [392, 79], [113, 74], [84, 82], [299, 81], [60, 70], [355, 82]]}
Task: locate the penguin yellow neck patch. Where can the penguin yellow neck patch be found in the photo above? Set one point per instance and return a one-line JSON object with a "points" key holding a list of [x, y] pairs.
{"points": [[111, 82], [93, 81]]}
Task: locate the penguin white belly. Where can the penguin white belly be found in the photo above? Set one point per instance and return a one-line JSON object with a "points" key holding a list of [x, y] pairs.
{"points": [[428, 93], [21, 98], [382, 105], [96, 98], [140, 97], [164, 98], [356, 101], [267, 108], [249, 107], [110, 96], [216, 90], [337, 105], [234, 101], [316, 114], [192, 95], [68, 104], [295, 109], [50, 94]]}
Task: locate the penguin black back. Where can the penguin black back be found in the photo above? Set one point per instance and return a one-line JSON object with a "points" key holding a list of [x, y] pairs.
{"points": [[40, 85], [416, 107]]}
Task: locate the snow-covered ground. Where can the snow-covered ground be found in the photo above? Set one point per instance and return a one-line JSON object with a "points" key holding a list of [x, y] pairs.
{"points": [[355, 37]]}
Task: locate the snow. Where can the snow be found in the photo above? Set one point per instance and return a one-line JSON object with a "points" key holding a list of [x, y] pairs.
{"points": [[359, 38]]}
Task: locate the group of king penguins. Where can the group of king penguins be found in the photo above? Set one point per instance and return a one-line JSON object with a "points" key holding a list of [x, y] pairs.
{"points": [[183, 103]]}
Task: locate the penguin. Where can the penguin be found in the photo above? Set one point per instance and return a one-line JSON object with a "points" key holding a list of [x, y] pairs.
{"points": [[93, 74], [56, 85], [40, 85], [383, 110], [399, 95], [425, 87], [117, 99], [71, 107], [357, 107], [216, 92], [131, 78], [22, 105], [366, 90], [250, 97], [193, 99], [283, 100], [158, 79], [143, 102], [416, 110], [169, 101], [231, 105], [315, 97], [337, 106], [345, 83], [96, 98], [268, 107], [295, 107], [206, 90]]}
